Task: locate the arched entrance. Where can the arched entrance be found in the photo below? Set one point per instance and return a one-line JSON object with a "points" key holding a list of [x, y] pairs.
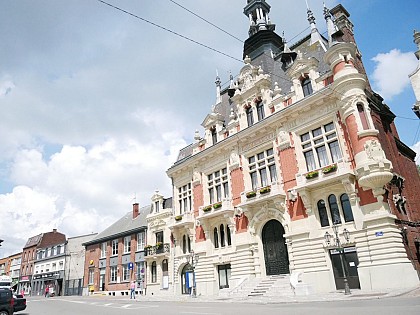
{"points": [[275, 249], [184, 288]]}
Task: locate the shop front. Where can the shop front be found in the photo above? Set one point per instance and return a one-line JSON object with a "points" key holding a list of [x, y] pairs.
{"points": [[54, 281]]}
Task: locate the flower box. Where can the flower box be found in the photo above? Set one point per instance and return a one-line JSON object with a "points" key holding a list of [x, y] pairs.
{"points": [[251, 194], [329, 169], [311, 175], [265, 190], [159, 244], [178, 218], [217, 205], [207, 209]]}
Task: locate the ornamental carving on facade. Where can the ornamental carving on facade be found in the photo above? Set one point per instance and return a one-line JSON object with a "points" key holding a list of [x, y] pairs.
{"points": [[374, 151]]}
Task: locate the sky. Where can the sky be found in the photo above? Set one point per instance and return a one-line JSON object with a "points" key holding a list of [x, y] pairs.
{"points": [[96, 103]]}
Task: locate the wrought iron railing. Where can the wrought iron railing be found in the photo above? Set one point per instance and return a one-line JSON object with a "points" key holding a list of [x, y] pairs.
{"points": [[157, 249]]}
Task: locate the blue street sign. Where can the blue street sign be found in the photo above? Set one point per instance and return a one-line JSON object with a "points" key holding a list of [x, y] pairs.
{"points": [[379, 233], [130, 266]]}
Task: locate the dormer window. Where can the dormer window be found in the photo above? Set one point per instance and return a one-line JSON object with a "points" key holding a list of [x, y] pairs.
{"points": [[213, 135], [249, 116], [306, 86], [157, 206], [260, 111]]}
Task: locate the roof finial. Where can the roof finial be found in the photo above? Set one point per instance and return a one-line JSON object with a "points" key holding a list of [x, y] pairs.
{"points": [[315, 36], [331, 28], [218, 88]]}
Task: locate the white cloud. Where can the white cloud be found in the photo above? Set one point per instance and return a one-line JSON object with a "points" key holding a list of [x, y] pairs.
{"points": [[6, 86], [390, 76]]}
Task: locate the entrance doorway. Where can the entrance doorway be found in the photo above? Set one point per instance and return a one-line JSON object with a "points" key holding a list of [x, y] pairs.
{"points": [[184, 288], [275, 249], [350, 262]]}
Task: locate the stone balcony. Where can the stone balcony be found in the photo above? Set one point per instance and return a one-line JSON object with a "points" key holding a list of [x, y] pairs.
{"points": [[221, 208], [322, 176], [261, 194], [185, 220]]}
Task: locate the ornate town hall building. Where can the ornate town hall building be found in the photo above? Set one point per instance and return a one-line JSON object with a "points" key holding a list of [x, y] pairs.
{"points": [[299, 170]]}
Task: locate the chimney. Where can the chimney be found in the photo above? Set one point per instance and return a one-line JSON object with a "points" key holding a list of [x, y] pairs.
{"points": [[135, 210], [54, 230]]}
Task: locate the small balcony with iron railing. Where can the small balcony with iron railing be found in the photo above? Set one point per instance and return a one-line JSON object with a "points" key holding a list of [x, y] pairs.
{"points": [[262, 193], [160, 249], [185, 220], [220, 208]]}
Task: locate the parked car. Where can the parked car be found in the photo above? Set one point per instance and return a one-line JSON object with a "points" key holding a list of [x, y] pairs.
{"points": [[19, 303], [6, 302]]}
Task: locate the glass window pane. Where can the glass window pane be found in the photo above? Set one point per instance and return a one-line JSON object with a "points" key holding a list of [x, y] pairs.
{"points": [[305, 137], [322, 156], [335, 151], [316, 132], [263, 175], [346, 206], [310, 160], [254, 180], [323, 216], [335, 212], [329, 127]]}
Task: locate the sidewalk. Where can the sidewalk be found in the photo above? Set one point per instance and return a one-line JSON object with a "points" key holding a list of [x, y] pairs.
{"points": [[331, 296]]}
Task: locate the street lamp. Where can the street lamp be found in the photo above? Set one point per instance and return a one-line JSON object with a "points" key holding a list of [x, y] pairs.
{"points": [[193, 262], [340, 250]]}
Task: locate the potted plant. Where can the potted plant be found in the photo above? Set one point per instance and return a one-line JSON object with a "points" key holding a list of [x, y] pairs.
{"points": [[178, 218], [207, 209], [159, 244], [311, 175], [217, 205], [265, 190], [251, 194], [329, 169]]}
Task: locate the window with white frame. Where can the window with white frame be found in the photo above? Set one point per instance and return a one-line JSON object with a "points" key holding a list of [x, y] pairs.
{"points": [[222, 236], [91, 275], [262, 169], [113, 274], [184, 198], [127, 244], [103, 250], [126, 273], [218, 186], [157, 207], [114, 247], [249, 116], [260, 111], [140, 240], [320, 147], [338, 210]]}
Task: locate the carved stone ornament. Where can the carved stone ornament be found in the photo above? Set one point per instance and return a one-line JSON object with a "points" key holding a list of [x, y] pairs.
{"points": [[374, 151], [196, 177], [233, 160], [284, 140]]}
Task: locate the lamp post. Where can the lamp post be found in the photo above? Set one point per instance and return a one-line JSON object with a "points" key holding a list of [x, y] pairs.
{"points": [[193, 263], [340, 250]]}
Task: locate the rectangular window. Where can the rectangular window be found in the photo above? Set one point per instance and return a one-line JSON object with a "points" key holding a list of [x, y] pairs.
{"points": [[113, 274], [126, 273], [320, 147], [91, 274], [184, 198], [217, 184], [260, 111], [127, 244], [139, 270], [103, 250], [249, 117], [157, 206], [114, 247], [262, 169], [159, 237], [140, 241]]}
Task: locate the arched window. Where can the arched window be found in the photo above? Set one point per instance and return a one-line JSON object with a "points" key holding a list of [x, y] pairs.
{"points": [[335, 212], [345, 205], [260, 111], [165, 267], [249, 116], [189, 244], [229, 238], [154, 272], [222, 235], [306, 86], [213, 135], [184, 244], [323, 216], [362, 115], [216, 238]]}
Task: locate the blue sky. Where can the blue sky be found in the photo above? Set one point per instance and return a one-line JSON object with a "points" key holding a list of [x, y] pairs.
{"points": [[95, 104]]}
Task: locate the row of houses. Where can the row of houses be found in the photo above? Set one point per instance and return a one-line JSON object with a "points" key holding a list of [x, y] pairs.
{"points": [[300, 171], [48, 259]]}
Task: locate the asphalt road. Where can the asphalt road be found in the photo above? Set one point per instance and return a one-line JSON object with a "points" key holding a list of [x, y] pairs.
{"points": [[108, 306]]}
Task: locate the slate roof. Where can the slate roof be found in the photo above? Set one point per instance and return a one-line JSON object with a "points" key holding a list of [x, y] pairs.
{"points": [[124, 226], [33, 241]]}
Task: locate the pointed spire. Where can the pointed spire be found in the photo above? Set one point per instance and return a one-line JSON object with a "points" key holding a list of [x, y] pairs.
{"points": [[218, 88], [331, 28], [257, 11], [315, 36]]}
